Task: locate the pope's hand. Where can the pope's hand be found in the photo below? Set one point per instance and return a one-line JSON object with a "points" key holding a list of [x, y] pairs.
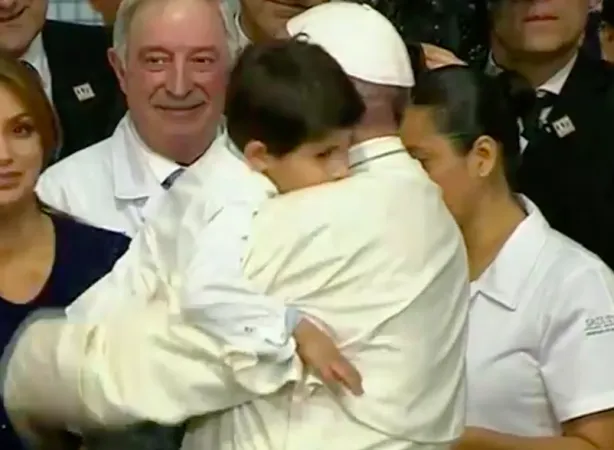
{"points": [[319, 352]]}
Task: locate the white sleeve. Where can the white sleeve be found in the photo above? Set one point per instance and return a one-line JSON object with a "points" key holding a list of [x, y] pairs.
{"points": [[578, 344], [135, 367], [216, 296]]}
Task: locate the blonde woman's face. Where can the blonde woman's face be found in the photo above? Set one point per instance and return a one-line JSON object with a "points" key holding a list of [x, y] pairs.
{"points": [[21, 151]]}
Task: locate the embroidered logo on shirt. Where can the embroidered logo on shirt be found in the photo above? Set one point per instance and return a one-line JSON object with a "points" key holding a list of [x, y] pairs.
{"points": [[599, 325]]}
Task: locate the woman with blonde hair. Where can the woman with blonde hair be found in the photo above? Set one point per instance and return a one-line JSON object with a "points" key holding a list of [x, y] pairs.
{"points": [[46, 259]]}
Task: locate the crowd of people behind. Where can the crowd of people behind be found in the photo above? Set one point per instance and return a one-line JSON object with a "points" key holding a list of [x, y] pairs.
{"points": [[218, 216]]}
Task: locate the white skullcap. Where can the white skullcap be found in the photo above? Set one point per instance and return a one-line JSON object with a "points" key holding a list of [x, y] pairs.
{"points": [[363, 41]]}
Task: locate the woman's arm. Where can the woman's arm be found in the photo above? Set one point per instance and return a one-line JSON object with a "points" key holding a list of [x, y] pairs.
{"points": [[592, 432]]}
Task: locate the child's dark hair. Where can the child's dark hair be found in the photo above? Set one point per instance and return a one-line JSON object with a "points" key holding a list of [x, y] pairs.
{"points": [[469, 104], [287, 92]]}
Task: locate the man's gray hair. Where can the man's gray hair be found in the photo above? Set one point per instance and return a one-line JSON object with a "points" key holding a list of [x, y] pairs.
{"points": [[128, 10]]}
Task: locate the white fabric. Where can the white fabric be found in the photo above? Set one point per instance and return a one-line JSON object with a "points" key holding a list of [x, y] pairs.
{"points": [[212, 292], [363, 41], [379, 323], [373, 149], [160, 167], [376, 258], [37, 58], [553, 85], [216, 295], [541, 329], [113, 184]]}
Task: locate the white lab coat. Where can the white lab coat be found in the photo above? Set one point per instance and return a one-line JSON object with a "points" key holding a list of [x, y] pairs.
{"points": [[109, 185]]}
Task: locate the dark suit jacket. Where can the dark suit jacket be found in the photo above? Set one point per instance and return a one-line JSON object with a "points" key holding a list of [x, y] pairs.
{"points": [[571, 178], [77, 54]]}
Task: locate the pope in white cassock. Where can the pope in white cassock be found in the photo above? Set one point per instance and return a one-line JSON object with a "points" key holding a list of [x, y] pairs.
{"points": [[375, 258]]}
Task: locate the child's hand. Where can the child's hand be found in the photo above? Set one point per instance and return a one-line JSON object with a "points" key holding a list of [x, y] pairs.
{"points": [[319, 352]]}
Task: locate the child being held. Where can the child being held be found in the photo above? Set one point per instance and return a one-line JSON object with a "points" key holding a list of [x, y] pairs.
{"points": [[290, 112]]}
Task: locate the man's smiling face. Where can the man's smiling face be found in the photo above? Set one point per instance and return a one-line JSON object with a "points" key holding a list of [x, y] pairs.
{"points": [[20, 23]]}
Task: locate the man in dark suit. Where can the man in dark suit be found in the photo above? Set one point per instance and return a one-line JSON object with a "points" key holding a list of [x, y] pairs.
{"points": [[567, 164], [71, 61]]}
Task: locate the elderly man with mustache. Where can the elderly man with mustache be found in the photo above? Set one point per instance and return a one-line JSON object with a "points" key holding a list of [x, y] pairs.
{"points": [[172, 61]]}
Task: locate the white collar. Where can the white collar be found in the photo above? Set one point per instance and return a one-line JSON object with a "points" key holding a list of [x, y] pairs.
{"points": [[35, 55], [132, 179], [554, 85], [374, 149], [138, 172], [160, 167], [508, 273]]}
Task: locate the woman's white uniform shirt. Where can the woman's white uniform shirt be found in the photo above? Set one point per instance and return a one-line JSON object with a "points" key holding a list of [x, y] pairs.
{"points": [[541, 334]]}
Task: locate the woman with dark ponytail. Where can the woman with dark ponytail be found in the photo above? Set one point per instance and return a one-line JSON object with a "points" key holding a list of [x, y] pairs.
{"points": [[541, 325]]}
